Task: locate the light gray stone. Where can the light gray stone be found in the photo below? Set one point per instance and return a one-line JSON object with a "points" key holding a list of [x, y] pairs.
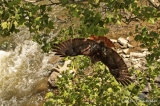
{"points": [[119, 51], [53, 78], [147, 88], [114, 40], [129, 45], [135, 54], [125, 51], [133, 77], [158, 60], [126, 56], [136, 66], [143, 96], [157, 79], [122, 41], [146, 52], [144, 49], [134, 60]]}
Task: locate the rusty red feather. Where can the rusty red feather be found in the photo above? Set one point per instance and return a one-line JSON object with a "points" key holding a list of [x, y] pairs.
{"points": [[104, 39]]}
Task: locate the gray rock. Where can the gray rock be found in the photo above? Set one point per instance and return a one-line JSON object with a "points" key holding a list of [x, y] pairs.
{"points": [[125, 51], [122, 41], [126, 56], [114, 40], [135, 54], [138, 65], [56, 72], [129, 45], [143, 96], [135, 60], [147, 88], [133, 77], [158, 60], [157, 79], [53, 78], [145, 52], [144, 49], [119, 51]]}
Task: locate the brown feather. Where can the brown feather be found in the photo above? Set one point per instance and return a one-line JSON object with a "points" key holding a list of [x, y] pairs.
{"points": [[116, 65]]}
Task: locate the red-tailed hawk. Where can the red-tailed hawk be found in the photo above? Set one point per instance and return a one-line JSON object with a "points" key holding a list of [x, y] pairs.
{"points": [[97, 50]]}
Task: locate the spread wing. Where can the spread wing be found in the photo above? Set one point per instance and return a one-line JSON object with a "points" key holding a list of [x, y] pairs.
{"points": [[97, 52], [78, 46], [116, 65]]}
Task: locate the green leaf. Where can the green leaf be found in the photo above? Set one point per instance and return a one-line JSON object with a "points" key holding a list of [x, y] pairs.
{"points": [[5, 16], [15, 23], [4, 25], [138, 37], [126, 92], [151, 20], [110, 90], [115, 83], [118, 22], [49, 95]]}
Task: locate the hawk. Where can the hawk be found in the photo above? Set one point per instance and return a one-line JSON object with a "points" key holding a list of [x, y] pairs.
{"points": [[97, 50]]}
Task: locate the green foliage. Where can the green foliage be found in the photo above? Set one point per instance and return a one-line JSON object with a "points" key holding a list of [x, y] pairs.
{"points": [[90, 20], [95, 87], [14, 14], [150, 40]]}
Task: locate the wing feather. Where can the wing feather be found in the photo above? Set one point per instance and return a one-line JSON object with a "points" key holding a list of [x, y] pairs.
{"points": [[116, 65], [74, 47]]}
